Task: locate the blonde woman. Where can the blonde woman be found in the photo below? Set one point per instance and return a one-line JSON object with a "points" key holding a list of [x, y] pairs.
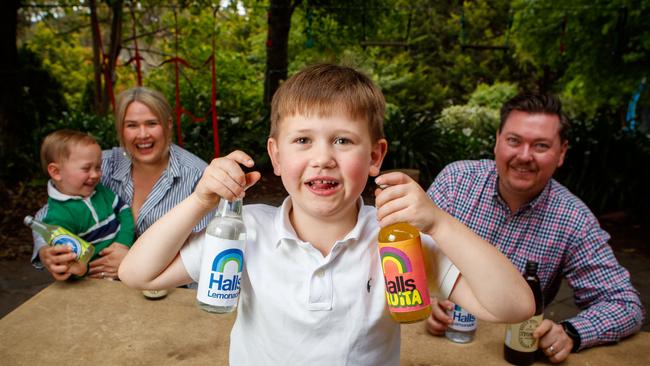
{"points": [[147, 171]]}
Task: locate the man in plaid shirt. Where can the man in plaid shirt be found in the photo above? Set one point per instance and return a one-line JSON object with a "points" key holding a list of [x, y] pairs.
{"points": [[514, 203]]}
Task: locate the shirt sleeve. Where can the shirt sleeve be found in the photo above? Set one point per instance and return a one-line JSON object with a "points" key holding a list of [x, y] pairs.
{"points": [[440, 189], [191, 255], [39, 242], [127, 227], [447, 273], [611, 306], [440, 193]]}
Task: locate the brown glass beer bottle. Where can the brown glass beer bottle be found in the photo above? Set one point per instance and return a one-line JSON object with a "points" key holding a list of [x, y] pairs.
{"points": [[520, 346]]}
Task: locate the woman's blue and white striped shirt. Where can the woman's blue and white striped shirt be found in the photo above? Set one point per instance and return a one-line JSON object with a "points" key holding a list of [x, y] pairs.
{"points": [[175, 184]]}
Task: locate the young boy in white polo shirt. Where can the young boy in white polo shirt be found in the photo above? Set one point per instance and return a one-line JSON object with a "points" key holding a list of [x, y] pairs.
{"points": [[312, 291]]}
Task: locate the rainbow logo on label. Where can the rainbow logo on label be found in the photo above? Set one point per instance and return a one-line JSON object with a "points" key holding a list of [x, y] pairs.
{"points": [[69, 241], [228, 255], [393, 255]]}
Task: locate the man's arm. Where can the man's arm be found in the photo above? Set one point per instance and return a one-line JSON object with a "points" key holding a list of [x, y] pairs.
{"points": [[611, 308]]}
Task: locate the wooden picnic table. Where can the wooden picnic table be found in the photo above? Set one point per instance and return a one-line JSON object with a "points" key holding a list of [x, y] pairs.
{"points": [[100, 322]]}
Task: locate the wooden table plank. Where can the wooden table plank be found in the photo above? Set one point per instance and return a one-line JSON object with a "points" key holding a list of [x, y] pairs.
{"points": [[104, 322]]}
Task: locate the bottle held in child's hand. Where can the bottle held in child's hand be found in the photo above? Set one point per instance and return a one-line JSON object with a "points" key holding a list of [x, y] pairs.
{"points": [[463, 325], [405, 275], [222, 259], [58, 235]]}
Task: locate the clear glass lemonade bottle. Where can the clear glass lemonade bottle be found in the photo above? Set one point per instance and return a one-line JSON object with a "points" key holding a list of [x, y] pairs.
{"points": [[58, 235], [405, 276], [222, 260]]}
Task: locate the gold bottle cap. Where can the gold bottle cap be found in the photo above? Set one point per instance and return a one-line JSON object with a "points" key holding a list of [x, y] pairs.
{"points": [[154, 294]]}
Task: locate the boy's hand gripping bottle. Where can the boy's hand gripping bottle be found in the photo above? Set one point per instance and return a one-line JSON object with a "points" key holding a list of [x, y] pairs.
{"points": [[222, 259], [405, 275], [57, 235]]}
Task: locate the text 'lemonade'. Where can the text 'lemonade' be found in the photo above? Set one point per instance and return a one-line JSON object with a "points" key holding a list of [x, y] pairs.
{"points": [[222, 260], [405, 273], [463, 325]]}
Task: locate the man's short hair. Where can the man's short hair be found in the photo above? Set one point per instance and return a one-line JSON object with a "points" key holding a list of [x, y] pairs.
{"points": [[536, 103], [325, 88], [56, 146]]}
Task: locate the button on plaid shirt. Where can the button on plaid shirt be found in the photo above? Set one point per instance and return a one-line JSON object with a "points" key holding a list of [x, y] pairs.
{"points": [[557, 230]]}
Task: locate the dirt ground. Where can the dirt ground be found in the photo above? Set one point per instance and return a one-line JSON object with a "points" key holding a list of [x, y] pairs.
{"points": [[19, 280]]}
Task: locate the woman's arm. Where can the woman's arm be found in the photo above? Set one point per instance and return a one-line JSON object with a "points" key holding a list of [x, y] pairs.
{"points": [[490, 287]]}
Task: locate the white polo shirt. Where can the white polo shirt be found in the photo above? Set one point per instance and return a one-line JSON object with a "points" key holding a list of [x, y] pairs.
{"points": [[299, 308]]}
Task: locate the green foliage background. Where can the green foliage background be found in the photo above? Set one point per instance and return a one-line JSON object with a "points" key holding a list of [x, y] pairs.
{"points": [[443, 83]]}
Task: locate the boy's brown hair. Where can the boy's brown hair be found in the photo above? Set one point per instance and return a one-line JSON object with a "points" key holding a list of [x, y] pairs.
{"points": [[325, 88], [56, 146]]}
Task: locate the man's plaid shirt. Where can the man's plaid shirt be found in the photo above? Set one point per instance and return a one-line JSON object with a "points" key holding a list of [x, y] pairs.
{"points": [[556, 230]]}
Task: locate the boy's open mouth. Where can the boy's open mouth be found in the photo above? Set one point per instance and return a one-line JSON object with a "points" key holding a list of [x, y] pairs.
{"points": [[322, 184]]}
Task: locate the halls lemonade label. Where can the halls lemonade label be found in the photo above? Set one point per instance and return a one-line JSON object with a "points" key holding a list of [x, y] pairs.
{"points": [[221, 268]]}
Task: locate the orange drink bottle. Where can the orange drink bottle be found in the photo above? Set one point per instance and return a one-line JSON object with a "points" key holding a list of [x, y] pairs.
{"points": [[405, 276]]}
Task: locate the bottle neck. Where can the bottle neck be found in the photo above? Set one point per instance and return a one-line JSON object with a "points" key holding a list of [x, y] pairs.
{"points": [[35, 224], [230, 208], [531, 269], [39, 227]]}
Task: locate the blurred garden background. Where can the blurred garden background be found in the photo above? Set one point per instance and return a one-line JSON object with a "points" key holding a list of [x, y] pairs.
{"points": [[444, 66]]}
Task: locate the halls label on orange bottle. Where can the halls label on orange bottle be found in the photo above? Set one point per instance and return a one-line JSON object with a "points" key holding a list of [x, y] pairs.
{"points": [[405, 275]]}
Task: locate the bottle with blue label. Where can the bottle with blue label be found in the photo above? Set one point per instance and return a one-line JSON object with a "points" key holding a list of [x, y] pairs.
{"points": [[58, 235], [222, 259], [463, 327]]}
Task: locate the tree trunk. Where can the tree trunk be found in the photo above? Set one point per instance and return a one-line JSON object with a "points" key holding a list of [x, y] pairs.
{"points": [[279, 24], [97, 60], [104, 64], [113, 54], [10, 124]]}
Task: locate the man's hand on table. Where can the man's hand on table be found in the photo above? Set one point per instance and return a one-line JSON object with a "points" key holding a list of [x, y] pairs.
{"points": [[553, 340]]}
